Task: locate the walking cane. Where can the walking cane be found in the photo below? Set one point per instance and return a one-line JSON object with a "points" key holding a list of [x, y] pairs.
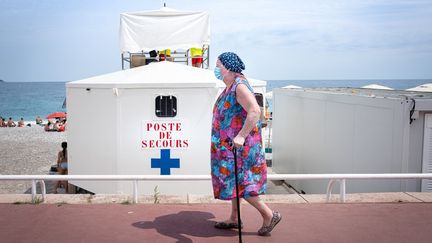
{"points": [[237, 193]]}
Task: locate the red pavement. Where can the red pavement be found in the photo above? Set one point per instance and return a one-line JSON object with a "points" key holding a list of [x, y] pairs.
{"points": [[410, 222]]}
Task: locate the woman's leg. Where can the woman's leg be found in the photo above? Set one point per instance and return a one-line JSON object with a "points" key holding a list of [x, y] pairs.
{"points": [[233, 217], [234, 210], [264, 210], [58, 183], [66, 182]]}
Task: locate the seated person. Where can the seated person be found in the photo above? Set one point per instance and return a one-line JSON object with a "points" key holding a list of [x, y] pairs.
{"points": [[3, 123], [38, 120], [21, 122], [11, 123], [49, 127], [62, 126], [56, 125], [197, 58]]}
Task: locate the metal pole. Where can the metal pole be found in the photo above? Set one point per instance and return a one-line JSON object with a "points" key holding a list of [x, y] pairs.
{"points": [[329, 188], [342, 190], [135, 192], [33, 190], [43, 189], [237, 194], [122, 57]]}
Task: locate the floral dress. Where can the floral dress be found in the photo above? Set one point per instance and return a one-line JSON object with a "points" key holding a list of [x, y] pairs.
{"points": [[228, 119]]}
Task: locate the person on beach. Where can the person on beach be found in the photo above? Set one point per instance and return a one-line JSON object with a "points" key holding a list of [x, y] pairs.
{"points": [[62, 166], [11, 123], [3, 122], [62, 126], [49, 127], [21, 123], [57, 125], [236, 123], [38, 121]]}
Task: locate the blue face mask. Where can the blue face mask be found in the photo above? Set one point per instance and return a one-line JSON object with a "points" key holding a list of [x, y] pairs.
{"points": [[218, 73]]}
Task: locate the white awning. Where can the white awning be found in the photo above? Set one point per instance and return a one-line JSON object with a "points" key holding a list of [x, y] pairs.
{"points": [[163, 29]]}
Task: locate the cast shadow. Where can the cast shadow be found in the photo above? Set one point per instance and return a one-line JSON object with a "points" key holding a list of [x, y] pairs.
{"points": [[186, 223]]}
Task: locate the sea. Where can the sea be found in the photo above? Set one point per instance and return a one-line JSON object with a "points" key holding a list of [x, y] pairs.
{"points": [[30, 99]]}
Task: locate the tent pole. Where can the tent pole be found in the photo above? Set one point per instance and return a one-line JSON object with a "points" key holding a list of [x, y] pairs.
{"points": [[122, 57]]}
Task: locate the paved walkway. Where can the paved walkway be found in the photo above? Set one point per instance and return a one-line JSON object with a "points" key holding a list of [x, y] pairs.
{"points": [[351, 222]]}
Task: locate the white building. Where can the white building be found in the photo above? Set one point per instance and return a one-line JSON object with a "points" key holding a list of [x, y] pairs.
{"points": [[347, 130], [150, 120]]}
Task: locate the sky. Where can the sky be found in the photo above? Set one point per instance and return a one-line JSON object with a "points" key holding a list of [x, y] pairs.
{"points": [[61, 40]]}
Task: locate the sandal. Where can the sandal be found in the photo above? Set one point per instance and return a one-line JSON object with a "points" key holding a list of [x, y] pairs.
{"points": [[224, 225], [265, 230]]}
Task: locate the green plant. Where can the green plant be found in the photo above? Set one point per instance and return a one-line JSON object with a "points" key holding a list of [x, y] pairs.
{"points": [[61, 203], [37, 200], [156, 195]]}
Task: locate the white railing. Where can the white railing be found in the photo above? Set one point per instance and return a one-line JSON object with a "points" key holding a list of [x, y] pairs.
{"points": [[341, 178]]}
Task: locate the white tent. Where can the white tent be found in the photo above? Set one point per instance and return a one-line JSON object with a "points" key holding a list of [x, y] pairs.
{"points": [[163, 29], [116, 125], [376, 86], [422, 88]]}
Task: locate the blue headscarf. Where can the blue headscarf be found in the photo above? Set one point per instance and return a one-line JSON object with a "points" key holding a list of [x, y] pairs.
{"points": [[232, 62]]}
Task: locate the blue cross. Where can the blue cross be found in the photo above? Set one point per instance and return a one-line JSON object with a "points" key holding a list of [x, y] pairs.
{"points": [[165, 163]]}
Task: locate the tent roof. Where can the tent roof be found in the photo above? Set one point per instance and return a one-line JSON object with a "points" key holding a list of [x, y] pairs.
{"points": [[156, 75], [163, 29]]}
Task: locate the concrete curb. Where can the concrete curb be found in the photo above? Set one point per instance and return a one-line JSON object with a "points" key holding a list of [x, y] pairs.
{"points": [[387, 197]]}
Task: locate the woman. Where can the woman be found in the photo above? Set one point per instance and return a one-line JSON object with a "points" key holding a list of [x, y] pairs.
{"points": [[62, 166], [236, 123]]}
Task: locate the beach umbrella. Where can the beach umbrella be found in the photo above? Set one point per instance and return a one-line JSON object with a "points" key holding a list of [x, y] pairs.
{"points": [[56, 115], [376, 86], [422, 88], [292, 87]]}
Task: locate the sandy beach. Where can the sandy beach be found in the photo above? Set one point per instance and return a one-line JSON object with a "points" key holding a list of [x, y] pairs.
{"points": [[27, 151]]}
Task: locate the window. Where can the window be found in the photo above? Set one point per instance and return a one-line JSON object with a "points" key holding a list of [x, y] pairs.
{"points": [[166, 106]]}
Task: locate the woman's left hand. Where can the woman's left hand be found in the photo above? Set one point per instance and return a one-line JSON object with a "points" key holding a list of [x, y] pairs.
{"points": [[239, 141]]}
